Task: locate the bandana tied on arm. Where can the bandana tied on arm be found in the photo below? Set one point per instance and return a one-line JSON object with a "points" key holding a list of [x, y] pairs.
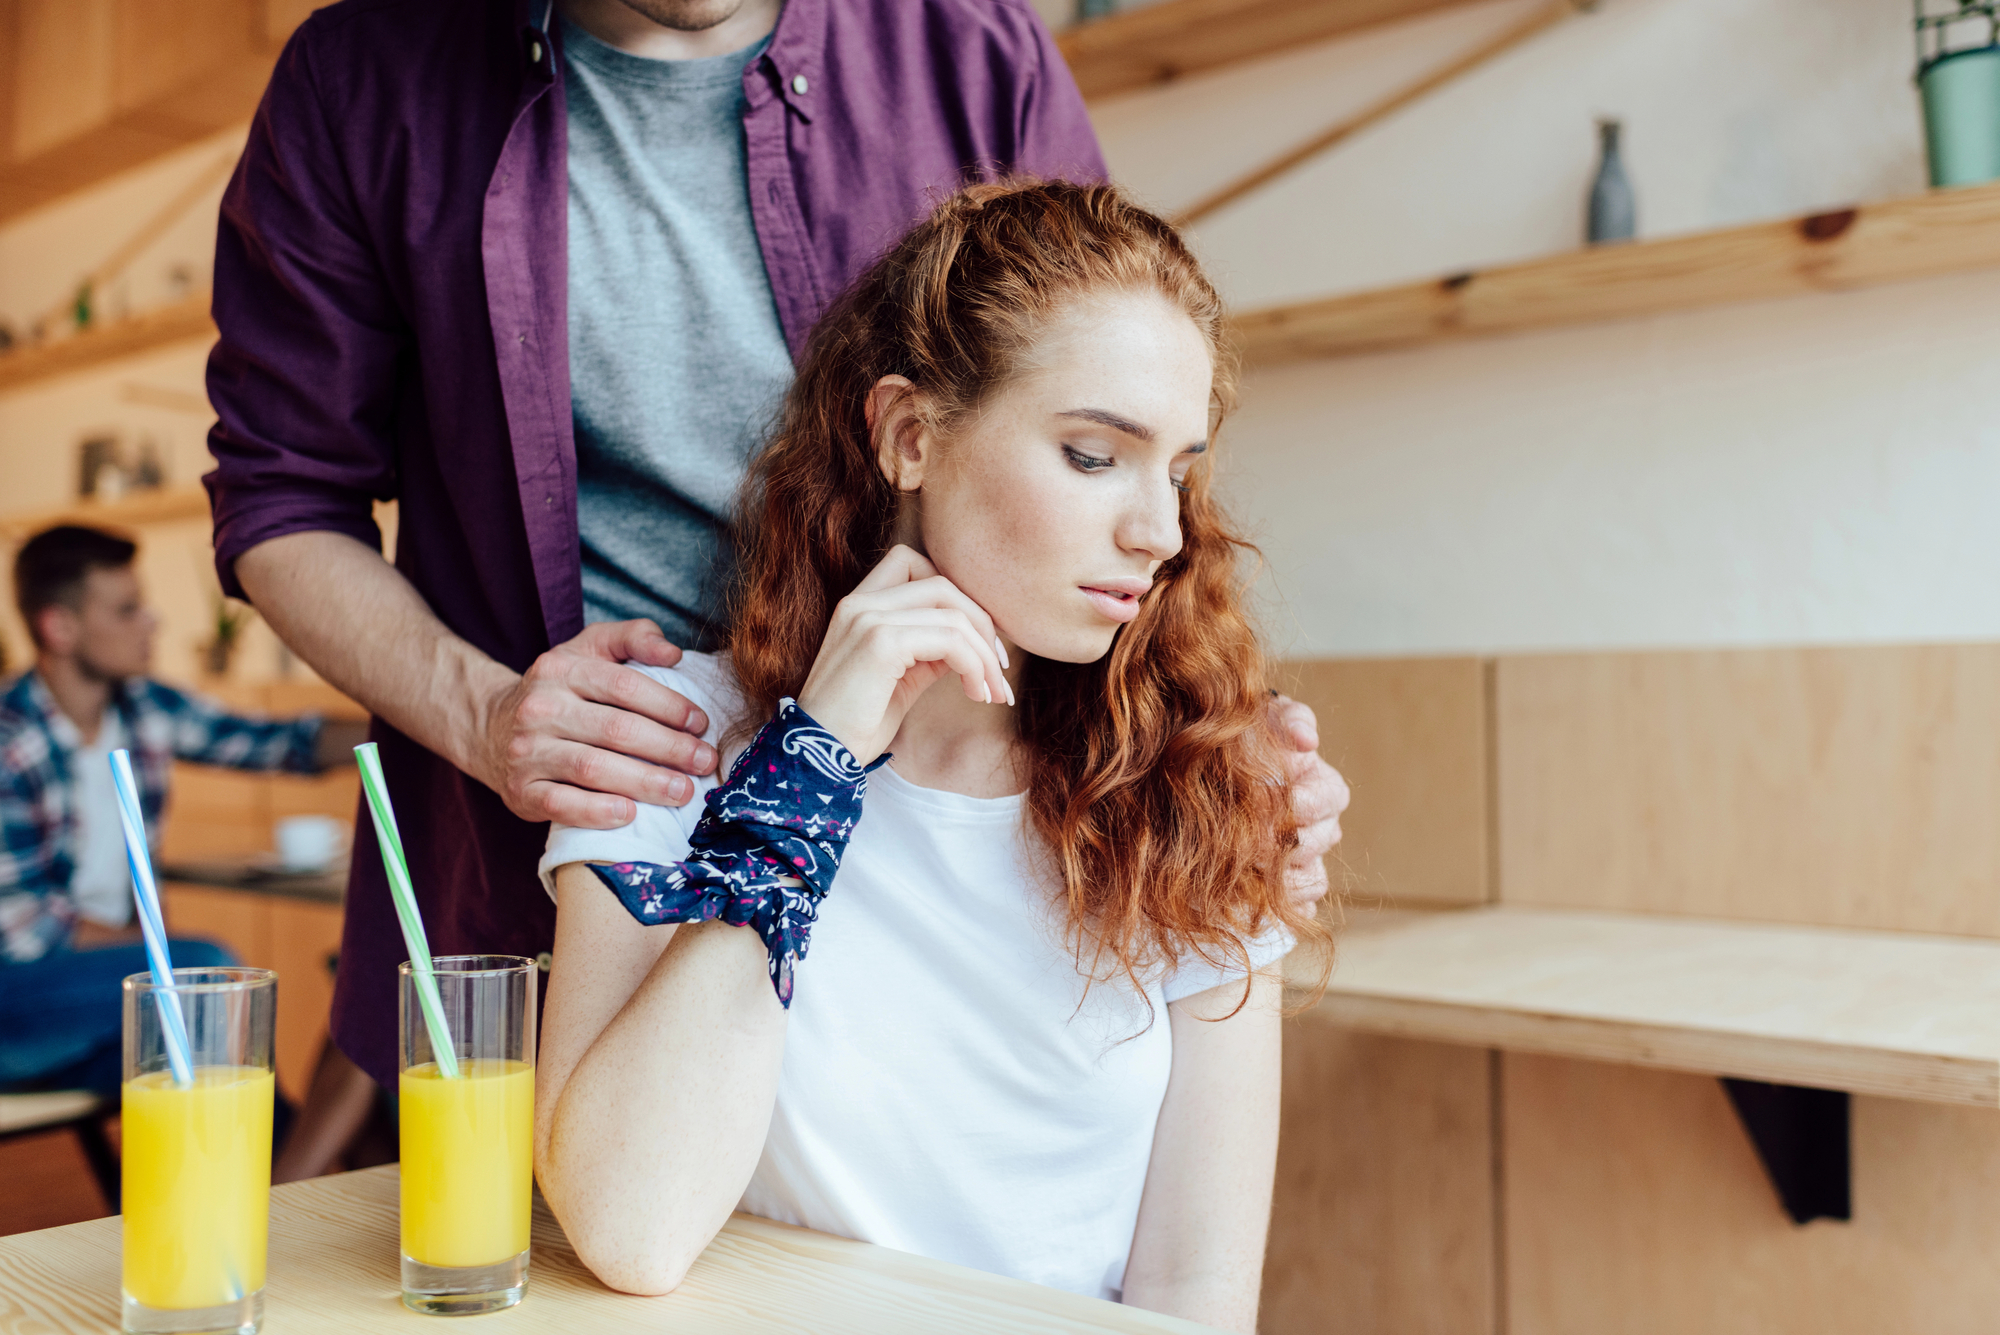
{"points": [[768, 844]]}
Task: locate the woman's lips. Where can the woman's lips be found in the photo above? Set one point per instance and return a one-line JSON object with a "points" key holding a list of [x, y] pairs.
{"points": [[1116, 604]]}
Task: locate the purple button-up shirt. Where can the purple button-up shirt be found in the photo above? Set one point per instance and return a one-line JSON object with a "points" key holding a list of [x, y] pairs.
{"points": [[391, 283]]}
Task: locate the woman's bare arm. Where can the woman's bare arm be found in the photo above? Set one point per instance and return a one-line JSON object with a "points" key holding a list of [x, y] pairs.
{"points": [[657, 1075], [1198, 1251], [660, 1055]]}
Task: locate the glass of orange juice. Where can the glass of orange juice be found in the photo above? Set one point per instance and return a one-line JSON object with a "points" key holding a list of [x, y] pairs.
{"points": [[197, 1155], [468, 1138]]}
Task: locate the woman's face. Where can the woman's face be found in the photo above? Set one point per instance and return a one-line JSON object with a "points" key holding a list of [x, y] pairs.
{"points": [[1057, 506]]}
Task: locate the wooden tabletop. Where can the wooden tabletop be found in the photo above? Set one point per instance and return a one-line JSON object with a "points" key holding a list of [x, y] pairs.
{"points": [[1887, 1013], [333, 1268]]}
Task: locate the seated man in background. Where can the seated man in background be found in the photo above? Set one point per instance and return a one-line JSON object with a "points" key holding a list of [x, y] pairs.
{"points": [[65, 888]]}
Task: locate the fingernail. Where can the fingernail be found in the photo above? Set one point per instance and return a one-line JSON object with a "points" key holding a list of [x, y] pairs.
{"points": [[989, 692], [1002, 649], [1010, 691]]}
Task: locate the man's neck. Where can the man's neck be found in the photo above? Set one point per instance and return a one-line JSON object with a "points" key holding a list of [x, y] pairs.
{"points": [[617, 24], [81, 695]]}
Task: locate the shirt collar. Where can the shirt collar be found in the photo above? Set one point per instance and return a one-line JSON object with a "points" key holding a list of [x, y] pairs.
{"points": [[61, 728], [797, 54], [43, 701]]}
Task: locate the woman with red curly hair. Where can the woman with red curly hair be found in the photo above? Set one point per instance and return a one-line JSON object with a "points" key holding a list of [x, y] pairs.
{"points": [[1038, 1030]]}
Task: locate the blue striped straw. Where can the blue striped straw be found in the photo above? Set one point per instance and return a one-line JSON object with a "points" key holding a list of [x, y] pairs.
{"points": [[173, 1025]]}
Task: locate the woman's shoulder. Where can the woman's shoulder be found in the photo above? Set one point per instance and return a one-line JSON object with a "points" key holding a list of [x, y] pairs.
{"points": [[657, 833]]}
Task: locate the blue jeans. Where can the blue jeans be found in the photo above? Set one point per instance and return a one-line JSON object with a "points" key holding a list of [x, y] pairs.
{"points": [[61, 1016]]}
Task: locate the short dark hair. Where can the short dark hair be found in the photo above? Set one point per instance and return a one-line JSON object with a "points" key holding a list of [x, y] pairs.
{"points": [[51, 567]]}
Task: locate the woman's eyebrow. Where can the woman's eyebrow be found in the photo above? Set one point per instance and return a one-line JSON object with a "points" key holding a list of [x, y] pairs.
{"points": [[1112, 420]]}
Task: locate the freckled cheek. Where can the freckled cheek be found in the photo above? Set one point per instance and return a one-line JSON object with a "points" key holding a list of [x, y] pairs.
{"points": [[1009, 546]]}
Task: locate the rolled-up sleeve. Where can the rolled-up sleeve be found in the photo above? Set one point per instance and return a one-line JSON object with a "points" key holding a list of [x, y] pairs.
{"points": [[304, 379]]}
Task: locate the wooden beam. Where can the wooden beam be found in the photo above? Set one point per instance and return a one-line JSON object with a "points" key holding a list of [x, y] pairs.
{"points": [[178, 323], [1161, 42], [1893, 1014], [1548, 15], [217, 99], [1944, 231]]}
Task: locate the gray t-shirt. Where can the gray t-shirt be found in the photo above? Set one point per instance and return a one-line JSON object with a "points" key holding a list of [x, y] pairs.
{"points": [[678, 364]]}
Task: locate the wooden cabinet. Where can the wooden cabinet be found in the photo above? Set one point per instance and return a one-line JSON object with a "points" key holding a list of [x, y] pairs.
{"points": [[298, 938]]}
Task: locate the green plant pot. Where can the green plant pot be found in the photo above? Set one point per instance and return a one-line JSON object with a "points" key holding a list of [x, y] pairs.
{"points": [[1961, 93]]}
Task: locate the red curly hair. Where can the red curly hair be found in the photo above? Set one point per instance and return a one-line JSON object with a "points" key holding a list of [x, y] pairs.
{"points": [[1154, 784]]}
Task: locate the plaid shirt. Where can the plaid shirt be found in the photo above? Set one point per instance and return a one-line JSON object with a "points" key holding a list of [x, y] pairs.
{"points": [[38, 821]]}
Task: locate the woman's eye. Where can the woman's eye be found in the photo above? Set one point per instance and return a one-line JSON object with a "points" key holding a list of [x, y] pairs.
{"points": [[1180, 484], [1085, 463]]}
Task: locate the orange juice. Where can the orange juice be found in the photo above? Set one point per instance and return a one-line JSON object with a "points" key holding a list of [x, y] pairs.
{"points": [[197, 1185], [468, 1162]]}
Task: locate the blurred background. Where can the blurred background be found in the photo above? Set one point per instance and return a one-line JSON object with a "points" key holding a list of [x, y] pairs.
{"points": [[1650, 578]]}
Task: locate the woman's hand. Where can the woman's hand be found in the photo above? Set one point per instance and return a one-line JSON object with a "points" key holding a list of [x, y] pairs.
{"points": [[903, 628]]}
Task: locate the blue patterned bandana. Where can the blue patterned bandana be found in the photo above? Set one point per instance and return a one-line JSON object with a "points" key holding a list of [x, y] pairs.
{"points": [[767, 847]]}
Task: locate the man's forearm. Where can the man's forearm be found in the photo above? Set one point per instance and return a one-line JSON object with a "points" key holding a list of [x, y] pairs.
{"points": [[362, 626]]}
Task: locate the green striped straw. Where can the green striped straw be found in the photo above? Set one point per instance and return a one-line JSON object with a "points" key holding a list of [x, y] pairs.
{"points": [[369, 758]]}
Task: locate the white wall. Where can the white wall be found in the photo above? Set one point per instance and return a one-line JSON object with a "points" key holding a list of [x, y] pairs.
{"points": [[43, 256], [1804, 471], [1815, 470]]}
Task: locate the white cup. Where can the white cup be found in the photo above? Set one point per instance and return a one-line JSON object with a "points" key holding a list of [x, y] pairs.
{"points": [[310, 843]]}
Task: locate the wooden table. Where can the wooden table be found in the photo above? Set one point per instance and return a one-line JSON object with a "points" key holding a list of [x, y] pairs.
{"points": [[1893, 1014], [333, 1268]]}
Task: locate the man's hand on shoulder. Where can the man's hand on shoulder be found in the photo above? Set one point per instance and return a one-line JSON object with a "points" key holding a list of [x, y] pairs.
{"points": [[580, 737], [1319, 795]]}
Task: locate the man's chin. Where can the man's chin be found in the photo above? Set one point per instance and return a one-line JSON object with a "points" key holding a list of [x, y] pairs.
{"points": [[111, 674], [686, 15]]}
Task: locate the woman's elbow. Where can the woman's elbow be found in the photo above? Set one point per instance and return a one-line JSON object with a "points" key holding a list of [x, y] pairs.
{"points": [[647, 1276], [632, 1253]]}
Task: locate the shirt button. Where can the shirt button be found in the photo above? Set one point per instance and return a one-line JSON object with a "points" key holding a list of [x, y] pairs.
{"points": [[799, 84]]}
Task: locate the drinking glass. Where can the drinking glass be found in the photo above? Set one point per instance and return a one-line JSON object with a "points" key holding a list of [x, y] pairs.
{"points": [[468, 1147], [197, 1157]]}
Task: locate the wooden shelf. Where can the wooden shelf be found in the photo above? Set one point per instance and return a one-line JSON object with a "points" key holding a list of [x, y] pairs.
{"points": [[144, 507], [163, 327], [1893, 1014], [1161, 42], [1945, 231]]}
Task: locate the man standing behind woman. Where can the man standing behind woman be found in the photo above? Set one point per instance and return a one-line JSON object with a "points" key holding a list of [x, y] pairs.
{"points": [[539, 273]]}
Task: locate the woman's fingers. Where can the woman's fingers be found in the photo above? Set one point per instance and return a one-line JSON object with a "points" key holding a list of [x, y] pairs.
{"points": [[933, 591], [899, 565], [905, 579], [946, 635], [981, 672]]}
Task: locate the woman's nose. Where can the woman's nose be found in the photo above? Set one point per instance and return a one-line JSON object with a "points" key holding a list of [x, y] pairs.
{"points": [[1152, 524]]}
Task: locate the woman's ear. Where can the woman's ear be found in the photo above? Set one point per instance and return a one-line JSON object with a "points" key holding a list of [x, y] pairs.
{"points": [[902, 440]]}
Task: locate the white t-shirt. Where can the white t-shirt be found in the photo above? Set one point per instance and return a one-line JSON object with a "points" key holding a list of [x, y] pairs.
{"points": [[948, 1087], [101, 883]]}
